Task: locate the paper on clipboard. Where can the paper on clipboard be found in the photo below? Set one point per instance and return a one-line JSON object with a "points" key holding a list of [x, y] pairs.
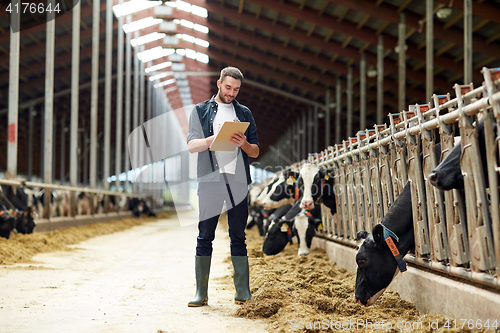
{"points": [[222, 141]]}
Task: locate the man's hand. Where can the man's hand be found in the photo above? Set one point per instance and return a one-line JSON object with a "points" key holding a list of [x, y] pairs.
{"points": [[239, 138]]}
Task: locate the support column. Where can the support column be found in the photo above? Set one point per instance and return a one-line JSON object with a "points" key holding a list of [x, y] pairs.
{"points": [[310, 129], [107, 98], [338, 105], [128, 74], [327, 119], [63, 150], [304, 136], [468, 41], [429, 49], [402, 62], [94, 98], [349, 102], [141, 116], [316, 130], [362, 92], [30, 142], [75, 90], [14, 56], [135, 117], [49, 103], [119, 103], [380, 80]]}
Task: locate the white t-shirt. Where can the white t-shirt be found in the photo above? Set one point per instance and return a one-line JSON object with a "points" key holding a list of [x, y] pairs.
{"points": [[226, 159]]}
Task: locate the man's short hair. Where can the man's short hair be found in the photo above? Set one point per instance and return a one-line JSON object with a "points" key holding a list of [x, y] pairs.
{"points": [[232, 72]]}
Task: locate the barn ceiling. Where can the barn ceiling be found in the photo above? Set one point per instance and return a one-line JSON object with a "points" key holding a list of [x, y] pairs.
{"points": [[284, 48]]}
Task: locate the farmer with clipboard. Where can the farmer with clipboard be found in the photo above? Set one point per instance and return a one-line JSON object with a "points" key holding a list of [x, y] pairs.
{"points": [[223, 176]]}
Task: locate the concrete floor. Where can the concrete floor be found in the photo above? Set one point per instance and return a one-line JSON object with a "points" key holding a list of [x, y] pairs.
{"points": [[138, 280]]}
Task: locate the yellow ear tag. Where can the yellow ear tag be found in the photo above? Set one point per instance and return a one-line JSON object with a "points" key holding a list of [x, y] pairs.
{"points": [[290, 180], [320, 226], [284, 227], [327, 177]]}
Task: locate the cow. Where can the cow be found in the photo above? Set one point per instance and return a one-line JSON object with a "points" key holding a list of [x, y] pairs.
{"points": [[278, 233], [380, 255], [448, 175], [19, 204], [255, 212], [377, 266], [41, 204], [282, 192], [139, 207], [305, 225]]}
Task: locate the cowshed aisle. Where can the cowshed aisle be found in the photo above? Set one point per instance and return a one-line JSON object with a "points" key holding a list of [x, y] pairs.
{"points": [[138, 280]]}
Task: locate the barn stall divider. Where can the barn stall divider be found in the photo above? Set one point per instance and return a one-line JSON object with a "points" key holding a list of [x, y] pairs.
{"points": [[457, 234]]}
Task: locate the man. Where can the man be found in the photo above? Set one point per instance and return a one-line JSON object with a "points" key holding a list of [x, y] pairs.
{"points": [[223, 176]]}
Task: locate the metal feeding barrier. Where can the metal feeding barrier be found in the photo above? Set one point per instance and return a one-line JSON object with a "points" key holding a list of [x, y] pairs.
{"points": [[456, 232]]}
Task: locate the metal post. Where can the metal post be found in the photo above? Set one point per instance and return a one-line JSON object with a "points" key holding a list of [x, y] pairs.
{"points": [[30, 142], [86, 166], [128, 73], [94, 96], [75, 78], [119, 102], [135, 118], [349, 102], [142, 91], [402, 62], [297, 138], [304, 136], [380, 80], [362, 92], [42, 140], [338, 104], [63, 149], [49, 103], [315, 136], [467, 41], [107, 96], [327, 118], [429, 58], [14, 57], [54, 139], [309, 131]]}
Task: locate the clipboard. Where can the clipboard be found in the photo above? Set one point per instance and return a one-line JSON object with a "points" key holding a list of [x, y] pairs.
{"points": [[222, 141]]}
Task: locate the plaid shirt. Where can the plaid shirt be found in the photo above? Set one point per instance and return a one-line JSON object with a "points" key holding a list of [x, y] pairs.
{"points": [[201, 126]]}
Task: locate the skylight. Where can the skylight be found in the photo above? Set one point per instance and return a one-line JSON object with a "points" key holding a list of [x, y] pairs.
{"points": [[165, 83], [134, 6], [141, 24], [154, 53], [158, 67], [147, 38], [187, 7]]}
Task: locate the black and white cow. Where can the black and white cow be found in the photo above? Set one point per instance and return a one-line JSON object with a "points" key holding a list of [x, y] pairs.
{"points": [[448, 175], [313, 185], [139, 207], [377, 263], [279, 231], [377, 266], [20, 205]]}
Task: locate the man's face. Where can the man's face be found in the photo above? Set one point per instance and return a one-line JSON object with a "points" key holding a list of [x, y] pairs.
{"points": [[228, 89]]}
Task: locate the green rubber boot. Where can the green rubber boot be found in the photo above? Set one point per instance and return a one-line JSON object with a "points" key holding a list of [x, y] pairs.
{"points": [[241, 279], [202, 269]]}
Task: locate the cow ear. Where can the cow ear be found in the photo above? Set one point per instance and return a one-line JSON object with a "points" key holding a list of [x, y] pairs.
{"points": [[378, 234], [361, 234]]}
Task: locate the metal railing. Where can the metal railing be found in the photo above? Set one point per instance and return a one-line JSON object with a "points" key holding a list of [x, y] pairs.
{"points": [[456, 232]]}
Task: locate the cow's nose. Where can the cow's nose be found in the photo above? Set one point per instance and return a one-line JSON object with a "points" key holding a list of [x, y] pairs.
{"points": [[433, 178], [306, 204], [357, 301]]}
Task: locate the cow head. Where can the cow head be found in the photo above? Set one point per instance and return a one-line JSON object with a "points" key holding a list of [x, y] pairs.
{"points": [[308, 173], [376, 267], [448, 175]]}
